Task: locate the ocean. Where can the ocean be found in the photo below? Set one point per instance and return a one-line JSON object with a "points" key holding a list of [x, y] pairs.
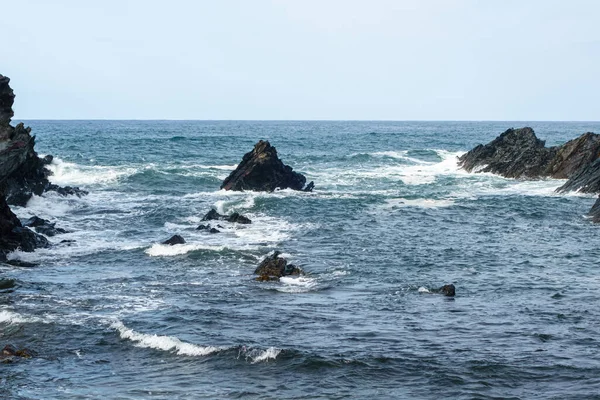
{"points": [[118, 315]]}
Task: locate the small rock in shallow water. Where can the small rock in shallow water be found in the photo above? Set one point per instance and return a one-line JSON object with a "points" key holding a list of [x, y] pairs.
{"points": [[175, 239], [274, 267]]}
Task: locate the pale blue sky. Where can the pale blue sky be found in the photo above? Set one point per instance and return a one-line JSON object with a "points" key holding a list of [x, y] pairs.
{"points": [[304, 59]]}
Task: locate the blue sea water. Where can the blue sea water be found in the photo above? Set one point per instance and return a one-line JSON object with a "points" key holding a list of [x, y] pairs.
{"points": [[118, 315]]}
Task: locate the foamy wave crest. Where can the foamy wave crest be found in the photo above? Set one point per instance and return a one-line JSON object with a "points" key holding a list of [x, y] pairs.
{"points": [[165, 343], [418, 203], [257, 355], [165, 250], [9, 317], [67, 173], [299, 284]]}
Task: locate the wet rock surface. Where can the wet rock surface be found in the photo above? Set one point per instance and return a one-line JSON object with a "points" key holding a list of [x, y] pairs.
{"points": [[274, 267], [235, 217], [262, 170], [173, 240]]}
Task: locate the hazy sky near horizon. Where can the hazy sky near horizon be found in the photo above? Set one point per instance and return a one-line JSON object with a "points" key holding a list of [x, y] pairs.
{"points": [[303, 59]]}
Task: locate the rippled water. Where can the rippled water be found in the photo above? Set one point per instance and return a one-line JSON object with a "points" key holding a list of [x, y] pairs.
{"points": [[118, 315]]}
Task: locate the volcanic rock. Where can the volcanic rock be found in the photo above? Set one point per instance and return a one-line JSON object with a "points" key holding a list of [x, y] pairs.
{"points": [[173, 240], [447, 290], [274, 267], [518, 153], [594, 212], [10, 353], [43, 226], [262, 170], [235, 217], [22, 172]]}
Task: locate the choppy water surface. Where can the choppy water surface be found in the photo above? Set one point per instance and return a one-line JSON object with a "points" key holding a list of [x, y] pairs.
{"points": [[118, 315]]}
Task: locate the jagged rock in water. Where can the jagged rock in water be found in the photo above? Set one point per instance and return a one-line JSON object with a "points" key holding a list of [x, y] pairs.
{"points": [[594, 212], [10, 353], [262, 170], [7, 284], [586, 180], [173, 240], [515, 153], [235, 217], [13, 235], [43, 226], [274, 267], [518, 153], [22, 172]]}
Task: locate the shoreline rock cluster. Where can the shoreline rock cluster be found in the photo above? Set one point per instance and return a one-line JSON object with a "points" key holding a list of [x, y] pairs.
{"points": [[518, 153]]}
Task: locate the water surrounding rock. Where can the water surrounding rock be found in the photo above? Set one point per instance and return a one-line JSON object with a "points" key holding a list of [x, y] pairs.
{"points": [[262, 170], [43, 226]]}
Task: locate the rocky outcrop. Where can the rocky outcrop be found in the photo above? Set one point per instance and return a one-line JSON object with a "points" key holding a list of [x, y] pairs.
{"points": [[586, 180], [594, 212], [274, 267], [43, 226], [173, 240], [518, 153], [235, 217], [22, 172], [13, 235], [262, 170], [447, 290]]}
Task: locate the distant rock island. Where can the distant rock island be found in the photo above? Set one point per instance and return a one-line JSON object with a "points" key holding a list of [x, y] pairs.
{"points": [[261, 170]]}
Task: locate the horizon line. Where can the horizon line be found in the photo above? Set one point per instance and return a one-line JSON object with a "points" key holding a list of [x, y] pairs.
{"points": [[303, 120]]}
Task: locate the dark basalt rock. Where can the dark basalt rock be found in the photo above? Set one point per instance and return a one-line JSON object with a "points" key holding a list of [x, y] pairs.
{"points": [[173, 240], [448, 290], [235, 217], [13, 235], [594, 212], [274, 267], [22, 172], [518, 153], [7, 284], [43, 226], [19, 263], [586, 180], [262, 170]]}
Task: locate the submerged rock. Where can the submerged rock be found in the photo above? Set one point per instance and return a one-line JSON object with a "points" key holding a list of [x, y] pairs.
{"points": [[10, 353], [518, 153], [7, 284], [173, 240], [274, 267], [235, 217], [262, 170]]}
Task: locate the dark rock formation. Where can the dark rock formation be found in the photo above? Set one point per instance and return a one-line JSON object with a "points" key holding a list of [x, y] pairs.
{"points": [[586, 180], [13, 235], [22, 172], [518, 153], [175, 239], [43, 226], [274, 267], [262, 170], [594, 212], [7, 284], [235, 217], [448, 290]]}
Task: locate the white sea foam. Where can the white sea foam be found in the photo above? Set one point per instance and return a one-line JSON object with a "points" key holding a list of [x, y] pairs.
{"points": [[165, 343], [299, 284], [10, 317], [264, 355], [423, 290], [165, 250], [418, 203], [68, 173]]}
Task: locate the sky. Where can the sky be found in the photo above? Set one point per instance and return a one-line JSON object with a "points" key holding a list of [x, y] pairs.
{"points": [[303, 59]]}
